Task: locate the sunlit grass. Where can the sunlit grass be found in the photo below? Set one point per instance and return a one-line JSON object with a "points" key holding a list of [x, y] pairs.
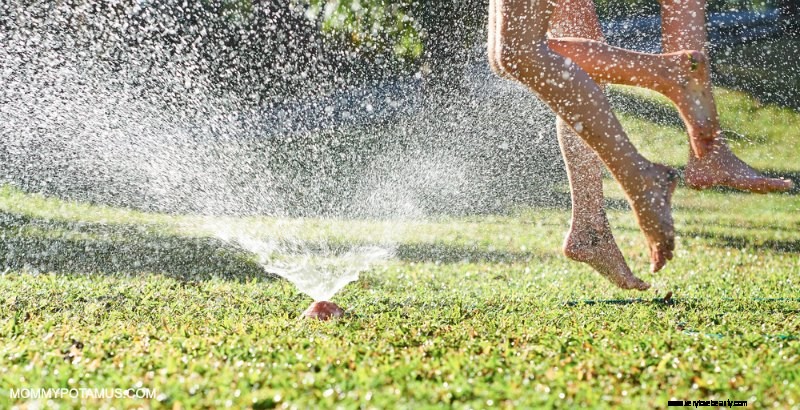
{"points": [[473, 311], [424, 331], [765, 136]]}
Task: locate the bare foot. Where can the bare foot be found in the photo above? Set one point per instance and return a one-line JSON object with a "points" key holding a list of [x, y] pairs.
{"points": [[594, 244], [651, 203], [721, 167], [323, 310], [713, 163], [691, 92]]}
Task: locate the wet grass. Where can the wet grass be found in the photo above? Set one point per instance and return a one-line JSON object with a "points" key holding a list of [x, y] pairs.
{"points": [[764, 135], [472, 312]]}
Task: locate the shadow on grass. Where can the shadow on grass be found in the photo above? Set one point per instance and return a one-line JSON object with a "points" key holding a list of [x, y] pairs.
{"points": [[649, 110], [451, 253], [742, 242], [622, 302], [767, 305], [45, 245]]}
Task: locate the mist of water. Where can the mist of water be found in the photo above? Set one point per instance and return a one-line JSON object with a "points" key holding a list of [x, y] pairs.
{"points": [[320, 271], [164, 106], [146, 105]]}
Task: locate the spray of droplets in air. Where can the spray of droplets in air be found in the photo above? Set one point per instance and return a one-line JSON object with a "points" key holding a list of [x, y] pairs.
{"points": [[191, 108]]}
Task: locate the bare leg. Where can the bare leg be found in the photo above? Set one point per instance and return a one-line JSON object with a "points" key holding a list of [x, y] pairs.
{"points": [[683, 27], [521, 52], [589, 239], [681, 76]]}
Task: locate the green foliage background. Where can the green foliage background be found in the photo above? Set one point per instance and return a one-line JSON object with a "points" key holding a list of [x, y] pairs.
{"points": [[369, 25], [402, 25], [379, 38]]}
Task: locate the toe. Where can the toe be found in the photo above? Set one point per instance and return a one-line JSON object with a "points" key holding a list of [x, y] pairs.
{"points": [[778, 185], [629, 281], [657, 261], [654, 267], [639, 284], [669, 244]]}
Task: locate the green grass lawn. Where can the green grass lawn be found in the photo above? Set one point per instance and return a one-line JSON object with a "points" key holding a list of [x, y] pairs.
{"points": [[474, 311]]}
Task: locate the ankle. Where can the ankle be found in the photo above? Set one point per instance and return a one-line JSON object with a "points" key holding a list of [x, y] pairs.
{"points": [[684, 67], [589, 220]]}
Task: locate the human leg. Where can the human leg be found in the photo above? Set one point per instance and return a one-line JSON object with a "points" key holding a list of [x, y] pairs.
{"points": [[520, 51], [681, 76], [589, 238], [683, 27]]}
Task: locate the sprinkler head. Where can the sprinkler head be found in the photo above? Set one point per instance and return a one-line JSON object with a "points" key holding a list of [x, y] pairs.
{"points": [[323, 310]]}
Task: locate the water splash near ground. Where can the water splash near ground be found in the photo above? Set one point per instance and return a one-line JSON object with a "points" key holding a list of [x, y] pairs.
{"points": [[128, 105], [317, 264], [320, 274]]}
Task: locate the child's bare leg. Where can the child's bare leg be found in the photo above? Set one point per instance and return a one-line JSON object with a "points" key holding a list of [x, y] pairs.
{"points": [[589, 239], [522, 53], [683, 27], [681, 76]]}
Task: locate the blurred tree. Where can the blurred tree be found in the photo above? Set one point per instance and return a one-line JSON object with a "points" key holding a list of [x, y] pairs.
{"points": [[450, 30], [434, 37], [370, 26]]}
